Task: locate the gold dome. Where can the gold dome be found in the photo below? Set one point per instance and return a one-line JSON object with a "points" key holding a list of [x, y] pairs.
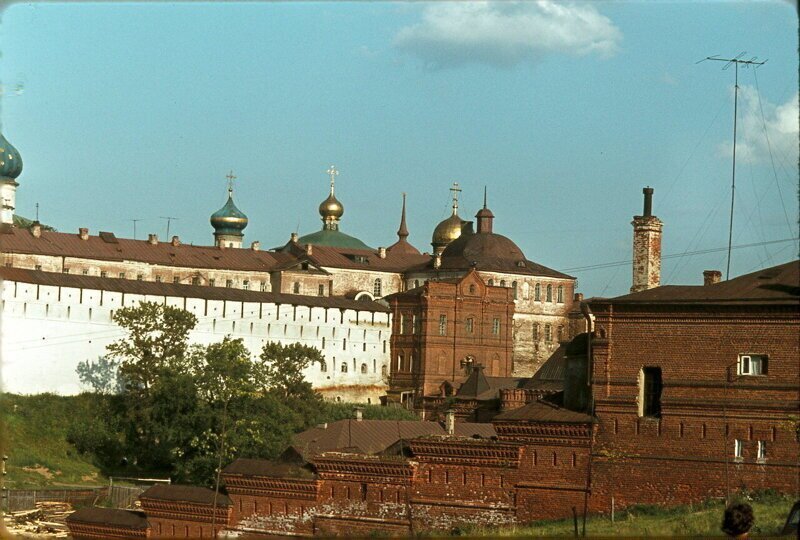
{"points": [[331, 208], [447, 231]]}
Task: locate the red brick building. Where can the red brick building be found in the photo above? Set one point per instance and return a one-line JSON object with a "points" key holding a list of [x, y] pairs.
{"points": [[443, 329]]}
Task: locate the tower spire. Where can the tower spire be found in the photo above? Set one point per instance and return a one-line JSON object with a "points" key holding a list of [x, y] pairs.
{"points": [[402, 232], [484, 196]]}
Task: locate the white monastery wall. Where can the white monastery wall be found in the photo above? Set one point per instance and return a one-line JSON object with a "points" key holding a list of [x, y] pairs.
{"points": [[47, 330]]}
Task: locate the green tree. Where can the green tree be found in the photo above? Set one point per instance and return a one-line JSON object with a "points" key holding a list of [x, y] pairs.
{"points": [[157, 340], [281, 369]]}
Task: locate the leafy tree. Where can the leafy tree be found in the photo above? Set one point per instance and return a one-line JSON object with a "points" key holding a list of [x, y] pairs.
{"points": [[157, 340], [282, 366], [102, 376]]}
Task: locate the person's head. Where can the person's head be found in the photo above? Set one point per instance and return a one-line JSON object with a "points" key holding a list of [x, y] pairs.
{"points": [[737, 520]]}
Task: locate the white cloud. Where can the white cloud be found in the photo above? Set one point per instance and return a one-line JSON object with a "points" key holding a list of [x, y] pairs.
{"points": [[782, 128], [507, 33]]}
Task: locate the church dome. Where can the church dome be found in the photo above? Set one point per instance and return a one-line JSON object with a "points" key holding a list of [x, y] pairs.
{"points": [[484, 247], [331, 208], [447, 230], [229, 219], [10, 160]]}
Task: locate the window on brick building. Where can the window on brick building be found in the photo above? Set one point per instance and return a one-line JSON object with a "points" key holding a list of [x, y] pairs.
{"points": [[472, 289], [195, 280], [650, 387], [496, 326], [738, 449], [344, 344], [296, 287], [364, 369], [442, 325], [537, 292], [761, 450], [321, 290], [212, 282], [415, 324], [229, 283], [514, 289], [502, 283], [264, 289], [560, 294], [549, 296], [491, 283], [560, 333], [376, 288], [246, 284], [399, 362], [85, 270], [468, 325], [535, 332], [752, 364], [344, 367], [323, 367], [548, 333]]}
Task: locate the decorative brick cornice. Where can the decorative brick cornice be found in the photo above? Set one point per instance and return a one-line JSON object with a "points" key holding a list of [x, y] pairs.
{"points": [[549, 433], [363, 468], [184, 511], [293, 488], [93, 530], [467, 452]]}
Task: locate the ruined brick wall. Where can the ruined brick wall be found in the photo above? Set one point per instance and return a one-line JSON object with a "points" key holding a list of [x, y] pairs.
{"points": [[687, 452]]}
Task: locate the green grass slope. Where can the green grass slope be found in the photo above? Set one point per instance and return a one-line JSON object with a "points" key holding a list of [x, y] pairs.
{"points": [[35, 439]]}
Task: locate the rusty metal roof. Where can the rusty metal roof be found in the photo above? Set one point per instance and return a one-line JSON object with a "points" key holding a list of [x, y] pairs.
{"points": [[263, 467], [778, 284], [130, 286], [543, 411], [128, 519], [182, 493]]}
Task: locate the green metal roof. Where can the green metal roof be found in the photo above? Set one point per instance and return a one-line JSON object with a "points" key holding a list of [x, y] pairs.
{"points": [[229, 219], [331, 238], [10, 160]]}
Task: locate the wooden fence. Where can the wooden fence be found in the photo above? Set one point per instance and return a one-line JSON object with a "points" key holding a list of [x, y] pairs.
{"points": [[14, 500]]}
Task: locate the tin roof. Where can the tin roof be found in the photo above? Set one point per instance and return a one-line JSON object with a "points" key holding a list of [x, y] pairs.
{"points": [[182, 493], [543, 411], [128, 519]]}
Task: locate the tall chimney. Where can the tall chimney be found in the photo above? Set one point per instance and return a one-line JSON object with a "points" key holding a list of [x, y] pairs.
{"points": [[176, 241], [711, 276], [36, 229], [646, 247], [450, 422], [152, 239], [83, 232], [255, 246]]}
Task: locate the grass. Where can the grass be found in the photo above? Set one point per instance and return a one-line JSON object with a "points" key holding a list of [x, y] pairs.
{"points": [[35, 440], [702, 519]]}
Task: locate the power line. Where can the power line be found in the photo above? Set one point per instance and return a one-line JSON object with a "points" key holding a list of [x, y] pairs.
{"points": [[675, 255]]}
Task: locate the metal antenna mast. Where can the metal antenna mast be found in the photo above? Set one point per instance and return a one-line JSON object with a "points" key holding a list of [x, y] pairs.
{"points": [[745, 63], [169, 220], [135, 221]]}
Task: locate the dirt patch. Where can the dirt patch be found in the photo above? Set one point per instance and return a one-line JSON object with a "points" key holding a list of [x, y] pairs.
{"points": [[89, 477], [44, 471]]}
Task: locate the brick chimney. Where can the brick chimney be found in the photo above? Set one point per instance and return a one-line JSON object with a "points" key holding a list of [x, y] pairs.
{"points": [[578, 297], [450, 422], [646, 247], [176, 241], [152, 239], [309, 249], [255, 246], [711, 276], [36, 229], [83, 232], [382, 252], [512, 398], [293, 237]]}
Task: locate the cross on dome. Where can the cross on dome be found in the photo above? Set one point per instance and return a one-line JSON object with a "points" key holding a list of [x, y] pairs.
{"points": [[456, 189], [333, 174], [230, 178]]}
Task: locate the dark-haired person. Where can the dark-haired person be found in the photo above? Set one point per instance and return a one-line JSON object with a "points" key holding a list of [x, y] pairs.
{"points": [[738, 520]]}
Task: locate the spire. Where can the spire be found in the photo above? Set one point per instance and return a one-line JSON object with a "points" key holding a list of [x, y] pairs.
{"points": [[484, 196], [402, 232], [484, 216]]}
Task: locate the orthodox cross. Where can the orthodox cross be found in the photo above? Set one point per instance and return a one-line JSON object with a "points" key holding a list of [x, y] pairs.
{"points": [[456, 190], [333, 174], [230, 178]]}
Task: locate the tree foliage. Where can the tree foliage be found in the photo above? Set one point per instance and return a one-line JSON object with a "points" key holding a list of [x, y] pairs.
{"points": [[102, 375], [282, 368]]}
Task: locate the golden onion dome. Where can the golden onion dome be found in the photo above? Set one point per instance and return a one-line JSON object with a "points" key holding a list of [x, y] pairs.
{"points": [[331, 208], [447, 230]]}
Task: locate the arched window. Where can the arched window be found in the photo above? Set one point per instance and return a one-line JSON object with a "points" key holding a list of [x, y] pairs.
{"points": [[344, 344], [323, 343], [472, 289], [514, 289], [400, 362], [549, 293], [491, 283], [535, 332], [526, 290], [537, 292], [548, 333], [323, 367], [376, 288], [502, 283], [560, 294], [363, 368], [416, 283], [296, 288], [344, 367], [383, 370]]}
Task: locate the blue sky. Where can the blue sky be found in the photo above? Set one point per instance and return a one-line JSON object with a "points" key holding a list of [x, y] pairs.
{"points": [[565, 111]]}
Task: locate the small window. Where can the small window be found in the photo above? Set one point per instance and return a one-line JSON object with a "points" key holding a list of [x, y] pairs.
{"points": [[549, 293], [65, 269], [323, 342], [502, 283], [416, 283], [469, 324], [140, 277], [195, 280], [103, 273], [85, 270], [296, 288], [229, 283], [514, 289], [383, 370], [364, 369], [344, 344], [560, 333], [442, 325], [246, 284], [752, 364], [323, 367], [376, 288], [263, 286], [537, 292], [496, 327], [535, 332], [560, 294], [401, 324], [491, 283], [472, 289], [158, 278], [175, 279], [321, 290], [212, 282], [416, 324], [650, 388], [761, 450], [548, 333], [738, 449], [344, 367]]}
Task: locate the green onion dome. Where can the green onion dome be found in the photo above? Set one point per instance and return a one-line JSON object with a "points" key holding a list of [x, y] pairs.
{"points": [[229, 219], [10, 160]]}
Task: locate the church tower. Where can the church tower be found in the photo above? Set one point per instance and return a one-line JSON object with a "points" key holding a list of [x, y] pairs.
{"points": [[229, 222], [10, 169]]}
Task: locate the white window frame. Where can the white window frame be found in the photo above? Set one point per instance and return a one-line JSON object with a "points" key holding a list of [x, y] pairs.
{"points": [[751, 365], [761, 451], [738, 449]]}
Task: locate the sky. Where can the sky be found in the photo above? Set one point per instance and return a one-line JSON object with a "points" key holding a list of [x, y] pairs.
{"points": [[564, 111]]}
